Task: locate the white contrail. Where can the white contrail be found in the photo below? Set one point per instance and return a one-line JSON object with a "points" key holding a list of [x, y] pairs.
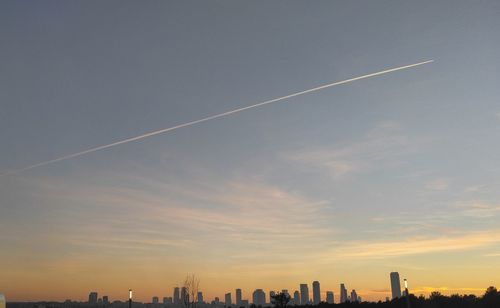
{"points": [[161, 131]]}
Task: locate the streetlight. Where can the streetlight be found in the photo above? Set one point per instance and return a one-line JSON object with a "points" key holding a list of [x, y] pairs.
{"points": [[407, 294], [130, 298]]}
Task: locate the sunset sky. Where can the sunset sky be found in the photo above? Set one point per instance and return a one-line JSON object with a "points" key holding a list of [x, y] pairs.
{"points": [[399, 172]]}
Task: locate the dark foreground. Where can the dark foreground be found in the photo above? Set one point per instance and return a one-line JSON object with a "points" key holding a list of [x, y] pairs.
{"points": [[491, 299]]}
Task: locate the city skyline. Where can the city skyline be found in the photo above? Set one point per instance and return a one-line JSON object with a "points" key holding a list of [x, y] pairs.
{"points": [[258, 295], [383, 169]]}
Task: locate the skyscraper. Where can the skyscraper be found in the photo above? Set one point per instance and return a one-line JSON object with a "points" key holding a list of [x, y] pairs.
{"points": [[296, 298], [343, 293], [227, 299], [316, 293], [184, 295], [93, 298], [177, 298], [354, 296], [155, 300], [329, 297], [105, 300], [395, 285], [200, 297], [259, 297], [238, 297], [304, 294]]}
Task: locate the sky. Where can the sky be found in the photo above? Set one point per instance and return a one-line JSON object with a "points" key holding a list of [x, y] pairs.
{"points": [[399, 172]]}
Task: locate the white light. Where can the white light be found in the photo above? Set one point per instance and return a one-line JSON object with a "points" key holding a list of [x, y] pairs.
{"points": [[406, 284], [130, 293]]}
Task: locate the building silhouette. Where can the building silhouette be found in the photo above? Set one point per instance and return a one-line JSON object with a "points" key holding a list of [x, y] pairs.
{"points": [[395, 285], [155, 300], [92, 298], [105, 300], [184, 295], [167, 300], [238, 298], [296, 298], [343, 293], [2, 301], [199, 297], [177, 299], [316, 293], [329, 297], [259, 297], [227, 299], [304, 294], [354, 296]]}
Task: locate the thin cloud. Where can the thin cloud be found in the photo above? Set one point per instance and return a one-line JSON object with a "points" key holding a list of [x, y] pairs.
{"points": [[417, 245], [380, 143], [440, 184], [478, 209]]}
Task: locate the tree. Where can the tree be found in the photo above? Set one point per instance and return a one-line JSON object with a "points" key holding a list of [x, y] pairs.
{"points": [[491, 298], [190, 289], [435, 295], [280, 299]]}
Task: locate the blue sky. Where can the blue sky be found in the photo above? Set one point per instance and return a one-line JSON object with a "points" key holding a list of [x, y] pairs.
{"points": [[323, 186]]}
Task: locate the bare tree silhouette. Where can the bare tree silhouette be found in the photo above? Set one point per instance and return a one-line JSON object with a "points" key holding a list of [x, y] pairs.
{"points": [[190, 289]]}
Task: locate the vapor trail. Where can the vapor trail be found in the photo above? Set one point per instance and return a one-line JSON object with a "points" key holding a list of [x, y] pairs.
{"points": [[220, 115]]}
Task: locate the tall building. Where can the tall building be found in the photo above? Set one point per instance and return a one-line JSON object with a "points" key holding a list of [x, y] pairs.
{"points": [[93, 298], [354, 296], [155, 300], [238, 298], [259, 297], [177, 298], [316, 293], [296, 298], [199, 297], [395, 285], [184, 295], [227, 299], [329, 297], [2, 301], [105, 300], [343, 293], [167, 300], [304, 294]]}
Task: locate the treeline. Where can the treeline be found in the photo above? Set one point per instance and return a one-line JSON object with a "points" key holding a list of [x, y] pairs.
{"points": [[490, 299]]}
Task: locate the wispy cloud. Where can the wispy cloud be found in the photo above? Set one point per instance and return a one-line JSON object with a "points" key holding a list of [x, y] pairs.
{"points": [[478, 209], [439, 184], [416, 245], [162, 215], [380, 143], [494, 254]]}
